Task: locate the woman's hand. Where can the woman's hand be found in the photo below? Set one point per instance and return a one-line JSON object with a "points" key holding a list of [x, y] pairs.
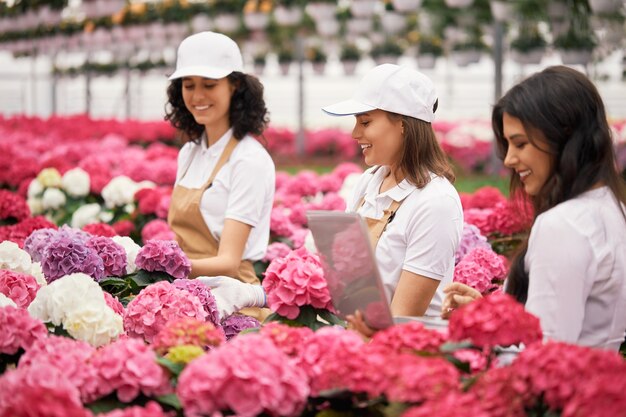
{"points": [[457, 295], [356, 322]]}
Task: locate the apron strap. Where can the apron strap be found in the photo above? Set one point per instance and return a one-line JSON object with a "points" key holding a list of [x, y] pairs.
{"points": [[228, 150], [376, 227]]}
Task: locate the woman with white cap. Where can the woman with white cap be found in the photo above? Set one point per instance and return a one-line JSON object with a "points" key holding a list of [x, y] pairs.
{"points": [[412, 210], [223, 195]]}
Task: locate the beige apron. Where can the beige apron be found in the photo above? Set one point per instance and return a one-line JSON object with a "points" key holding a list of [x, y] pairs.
{"points": [[376, 227], [193, 235]]}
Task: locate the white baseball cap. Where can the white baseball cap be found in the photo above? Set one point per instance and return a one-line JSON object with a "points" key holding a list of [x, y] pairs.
{"points": [[392, 88], [209, 55]]}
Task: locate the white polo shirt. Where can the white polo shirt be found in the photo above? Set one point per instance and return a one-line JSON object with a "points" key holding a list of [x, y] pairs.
{"points": [[422, 237], [243, 189]]}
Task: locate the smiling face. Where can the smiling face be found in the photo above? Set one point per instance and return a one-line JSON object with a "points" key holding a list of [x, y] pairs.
{"points": [[532, 164], [208, 101], [380, 138]]}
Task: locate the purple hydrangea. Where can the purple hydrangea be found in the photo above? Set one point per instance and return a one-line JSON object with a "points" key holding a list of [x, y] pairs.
{"points": [[36, 243], [203, 293], [237, 323], [112, 254], [471, 239], [70, 232], [66, 255], [165, 256]]}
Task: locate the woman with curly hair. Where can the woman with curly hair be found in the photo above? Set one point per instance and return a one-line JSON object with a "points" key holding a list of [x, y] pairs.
{"points": [[553, 135], [222, 200]]}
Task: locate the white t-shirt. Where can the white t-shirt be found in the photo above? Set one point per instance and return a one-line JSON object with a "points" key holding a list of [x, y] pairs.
{"points": [[576, 261], [243, 189], [423, 235]]}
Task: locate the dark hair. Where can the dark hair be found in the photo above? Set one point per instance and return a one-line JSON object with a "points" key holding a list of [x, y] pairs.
{"points": [[247, 114], [563, 108], [422, 153]]}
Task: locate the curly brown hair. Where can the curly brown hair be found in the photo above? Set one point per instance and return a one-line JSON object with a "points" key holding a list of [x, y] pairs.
{"points": [[247, 114]]}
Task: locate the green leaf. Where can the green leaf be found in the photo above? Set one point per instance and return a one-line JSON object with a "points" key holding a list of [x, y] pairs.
{"points": [[170, 400], [451, 347], [174, 367], [144, 278]]}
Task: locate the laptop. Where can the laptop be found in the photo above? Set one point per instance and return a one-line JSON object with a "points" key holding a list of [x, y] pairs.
{"points": [[354, 281]]}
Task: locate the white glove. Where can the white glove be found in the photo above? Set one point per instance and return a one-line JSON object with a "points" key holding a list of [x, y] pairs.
{"points": [[231, 295]]}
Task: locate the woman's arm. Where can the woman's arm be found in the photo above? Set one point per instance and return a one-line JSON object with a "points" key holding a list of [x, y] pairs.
{"points": [[229, 255], [413, 294]]}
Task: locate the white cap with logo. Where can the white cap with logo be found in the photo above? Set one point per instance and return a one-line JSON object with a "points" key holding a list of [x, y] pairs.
{"points": [[209, 55], [392, 88]]}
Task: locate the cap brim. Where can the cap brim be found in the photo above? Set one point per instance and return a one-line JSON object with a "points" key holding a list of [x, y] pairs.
{"points": [[200, 71], [347, 108]]}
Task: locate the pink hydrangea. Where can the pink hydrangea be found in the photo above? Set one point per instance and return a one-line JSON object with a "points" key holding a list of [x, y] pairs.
{"points": [[494, 320], [558, 371], [481, 218], [276, 250], [19, 287], [39, 391], [600, 396], [491, 261], [152, 409], [203, 292], [502, 392], [113, 255], [13, 208], [294, 281], [280, 225], [451, 405], [291, 340], [330, 183], [114, 303], [297, 214], [264, 382], [304, 183], [187, 331], [330, 201], [485, 197], [100, 229], [510, 217], [70, 357], [156, 305], [124, 227], [473, 274], [470, 239], [157, 229], [164, 256], [19, 330], [346, 168], [19, 232], [408, 337], [129, 368]]}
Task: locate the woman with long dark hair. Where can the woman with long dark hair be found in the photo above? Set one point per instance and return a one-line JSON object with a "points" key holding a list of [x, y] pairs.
{"points": [[552, 132]]}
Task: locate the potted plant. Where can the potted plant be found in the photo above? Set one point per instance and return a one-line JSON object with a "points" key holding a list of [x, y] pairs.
{"points": [[468, 52], [429, 48], [256, 14], [389, 51], [529, 46], [288, 12], [317, 57], [285, 58], [349, 57], [227, 14], [576, 45], [259, 61]]}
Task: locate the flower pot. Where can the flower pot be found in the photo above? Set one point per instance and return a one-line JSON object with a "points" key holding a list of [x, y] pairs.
{"points": [[405, 6], [575, 56], [392, 22], [349, 67], [502, 10], [256, 20], [533, 56], [284, 67], [328, 27], [426, 61], [226, 22], [357, 26], [259, 69], [321, 11], [466, 57], [605, 6], [386, 59], [201, 22], [318, 67], [363, 8], [287, 16], [458, 3]]}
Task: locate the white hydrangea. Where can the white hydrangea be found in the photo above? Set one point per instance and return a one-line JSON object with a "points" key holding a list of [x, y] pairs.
{"points": [[76, 182], [131, 249], [35, 188], [347, 188], [86, 214], [35, 205], [53, 198], [13, 258], [119, 192], [76, 302], [37, 272], [6, 301]]}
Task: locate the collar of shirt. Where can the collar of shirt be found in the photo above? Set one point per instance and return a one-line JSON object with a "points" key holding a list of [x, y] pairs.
{"points": [[378, 200], [217, 148]]}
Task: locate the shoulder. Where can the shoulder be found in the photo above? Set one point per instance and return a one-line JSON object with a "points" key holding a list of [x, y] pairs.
{"points": [[249, 150], [187, 151], [438, 195], [582, 213]]}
